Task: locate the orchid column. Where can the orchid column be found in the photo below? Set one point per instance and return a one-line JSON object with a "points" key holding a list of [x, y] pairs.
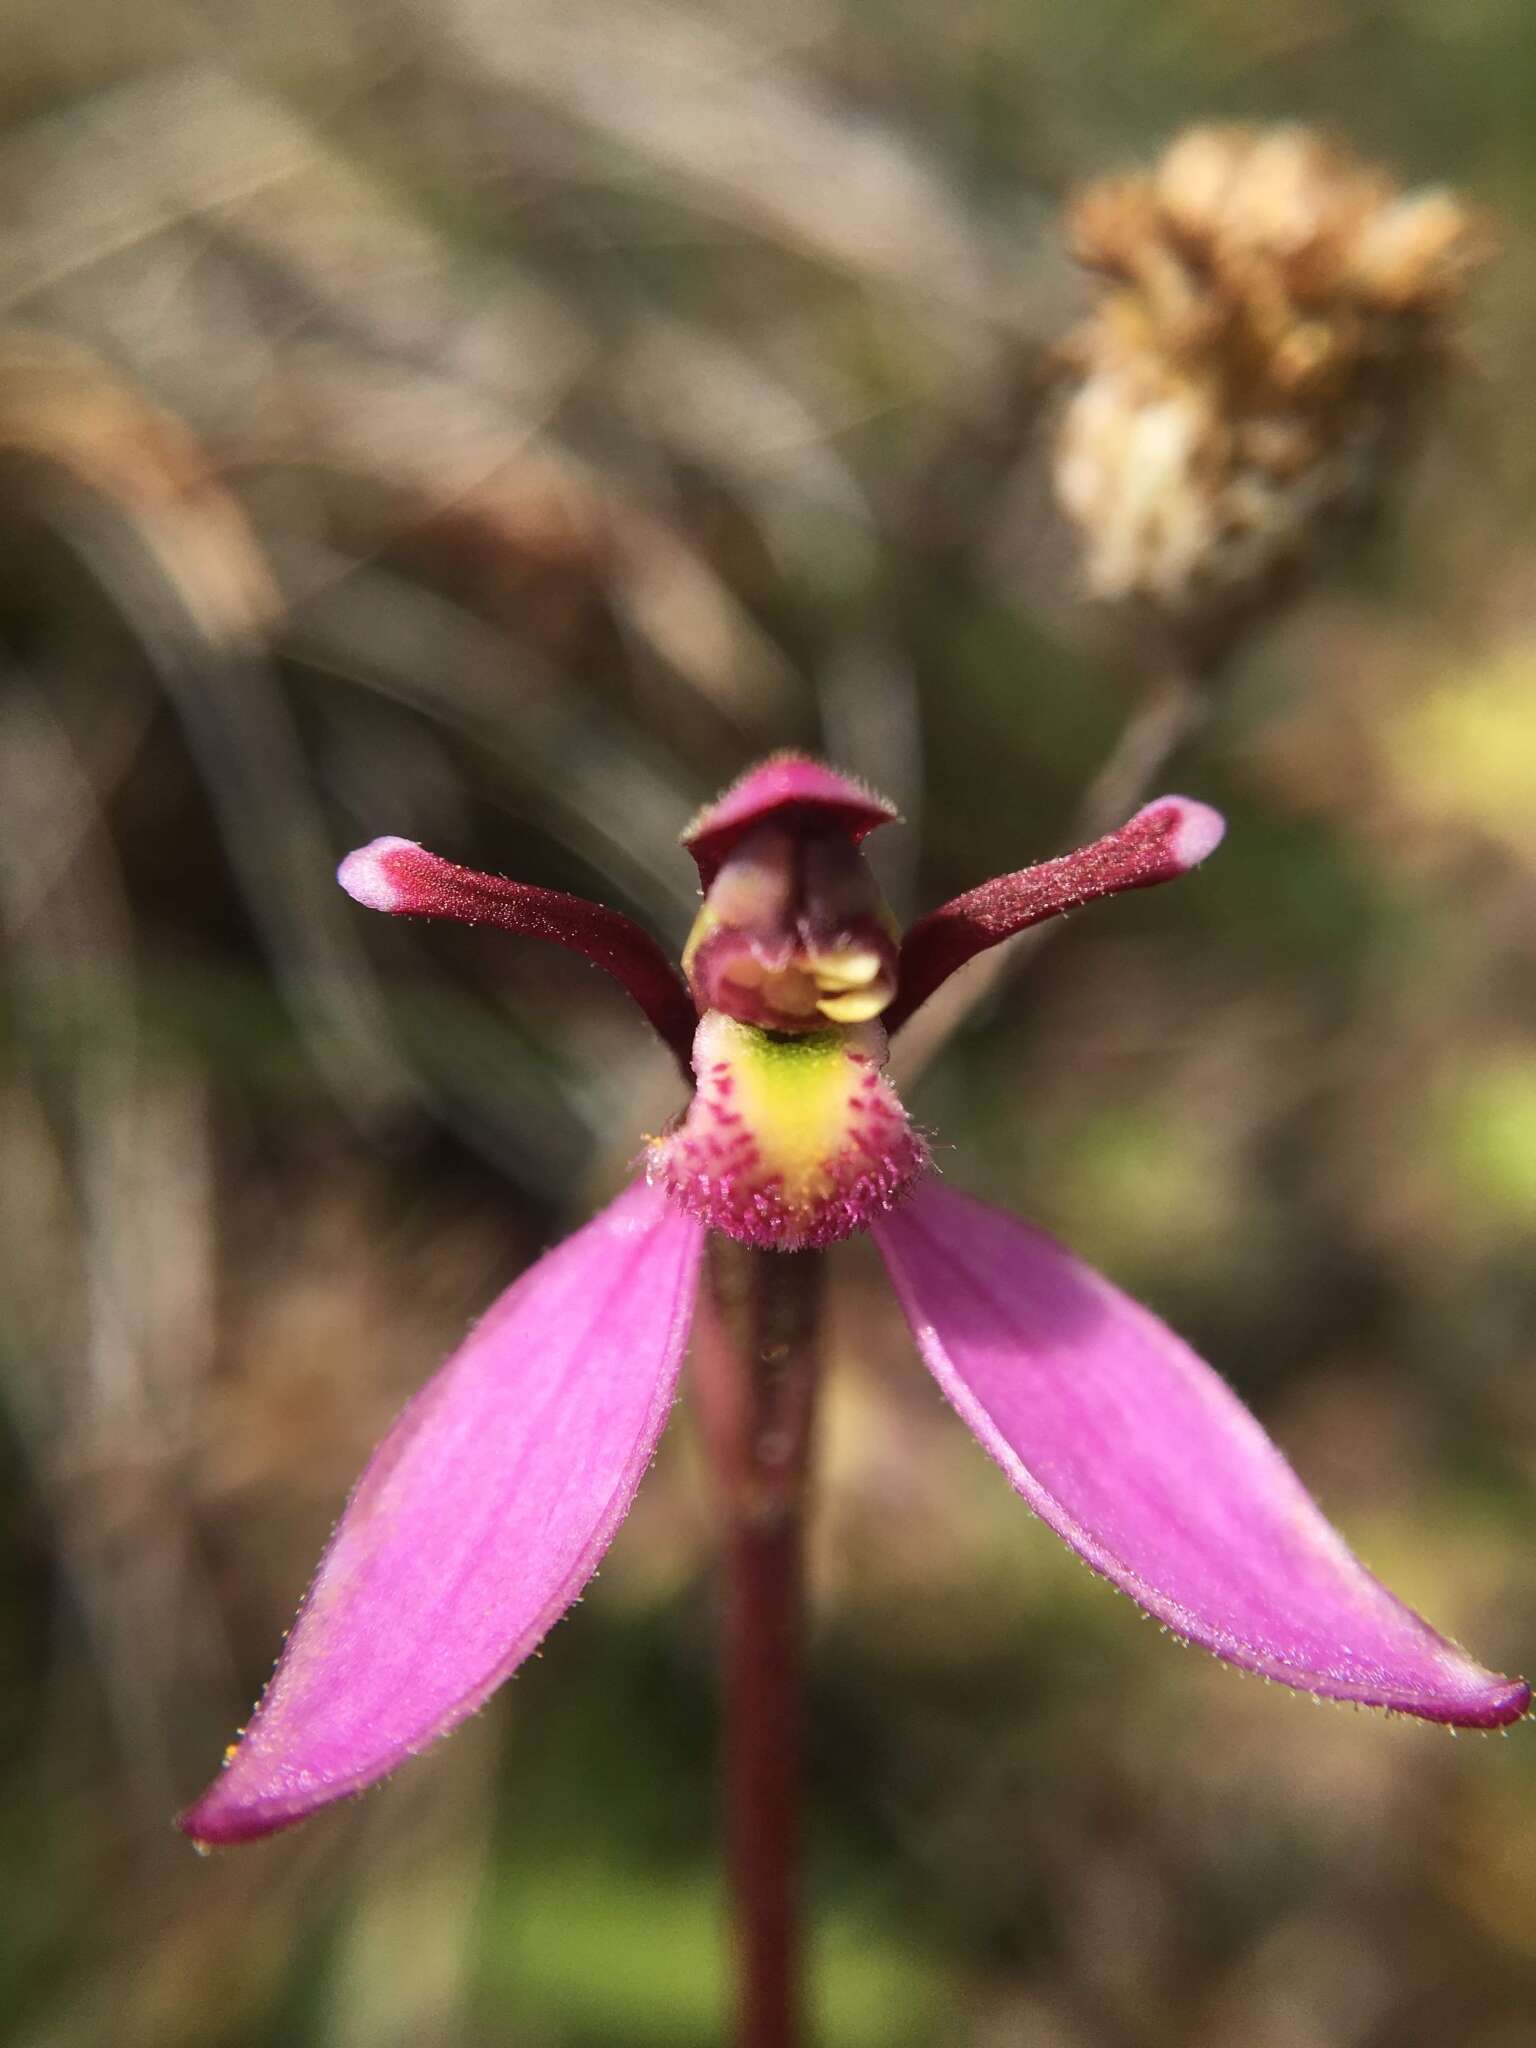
{"points": [[491, 1501]]}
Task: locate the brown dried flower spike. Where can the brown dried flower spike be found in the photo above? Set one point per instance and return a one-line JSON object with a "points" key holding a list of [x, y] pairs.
{"points": [[1275, 309]]}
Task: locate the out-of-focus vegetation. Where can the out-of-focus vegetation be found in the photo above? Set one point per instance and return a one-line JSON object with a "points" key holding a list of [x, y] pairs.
{"points": [[497, 424]]}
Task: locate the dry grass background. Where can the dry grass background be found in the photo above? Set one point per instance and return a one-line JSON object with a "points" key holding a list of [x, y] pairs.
{"points": [[497, 424]]}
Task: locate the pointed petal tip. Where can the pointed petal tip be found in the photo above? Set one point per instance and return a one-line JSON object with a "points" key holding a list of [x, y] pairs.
{"points": [[229, 1812], [1194, 829], [365, 876], [1500, 1703], [476, 1524], [1146, 1464], [1450, 1691], [212, 1822]]}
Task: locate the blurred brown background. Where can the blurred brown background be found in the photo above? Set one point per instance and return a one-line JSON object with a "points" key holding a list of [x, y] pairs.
{"points": [[497, 424]]}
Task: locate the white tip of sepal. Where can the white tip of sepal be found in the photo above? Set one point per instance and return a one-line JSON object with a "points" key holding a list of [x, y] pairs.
{"points": [[365, 874], [1197, 831]]}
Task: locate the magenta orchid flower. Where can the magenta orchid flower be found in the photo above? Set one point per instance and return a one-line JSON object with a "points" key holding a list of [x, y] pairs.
{"points": [[491, 1501]]}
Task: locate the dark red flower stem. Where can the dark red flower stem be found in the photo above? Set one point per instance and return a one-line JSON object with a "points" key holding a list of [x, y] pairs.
{"points": [[755, 1364]]}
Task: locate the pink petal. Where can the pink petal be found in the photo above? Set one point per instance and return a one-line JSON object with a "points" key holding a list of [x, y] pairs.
{"points": [[1151, 1469], [1164, 840], [784, 782], [402, 878], [480, 1518]]}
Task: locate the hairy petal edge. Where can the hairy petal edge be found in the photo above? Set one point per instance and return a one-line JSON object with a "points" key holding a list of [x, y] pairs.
{"points": [[480, 1518], [1146, 1463]]}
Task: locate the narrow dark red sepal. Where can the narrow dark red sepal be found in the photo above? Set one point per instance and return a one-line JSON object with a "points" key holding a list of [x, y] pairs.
{"points": [[398, 876], [1165, 839]]}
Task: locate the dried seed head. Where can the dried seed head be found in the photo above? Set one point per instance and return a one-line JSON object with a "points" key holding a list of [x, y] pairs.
{"points": [[1274, 310]]}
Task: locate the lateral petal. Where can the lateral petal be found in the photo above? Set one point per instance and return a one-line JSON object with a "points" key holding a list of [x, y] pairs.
{"points": [[478, 1521], [1147, 1464], [402, 879], [1164, 840]]}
